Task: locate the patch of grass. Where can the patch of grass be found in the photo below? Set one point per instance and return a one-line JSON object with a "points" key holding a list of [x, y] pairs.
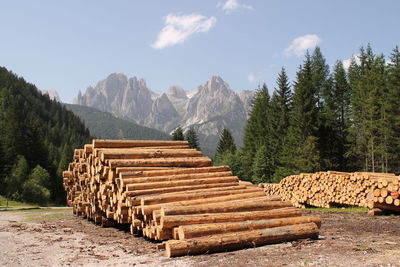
{"points": [[14, 204], [36, 209], [348, 209], [46, 215]]}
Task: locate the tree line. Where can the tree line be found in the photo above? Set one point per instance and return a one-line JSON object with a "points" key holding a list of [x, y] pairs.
{"points": [[190, 136], [37, 139], [344, 119]]}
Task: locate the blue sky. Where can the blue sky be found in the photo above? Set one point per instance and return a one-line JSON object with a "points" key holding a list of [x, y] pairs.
{"points": [[69, 45]]}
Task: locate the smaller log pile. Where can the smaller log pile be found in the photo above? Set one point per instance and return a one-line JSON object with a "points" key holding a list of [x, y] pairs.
{"points": [[166, 191], [377, 191]]}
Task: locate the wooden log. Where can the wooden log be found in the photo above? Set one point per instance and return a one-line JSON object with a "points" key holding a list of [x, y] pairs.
{"points": [[148, 209], [175, 189], [198, 230], [191, 176], [195, 194], [211, 180], [142, 154], [179, 220], [108, 143], [161, 162], [258, 203], [240, 240], [374, 212], [173, 171], [140, 169]]}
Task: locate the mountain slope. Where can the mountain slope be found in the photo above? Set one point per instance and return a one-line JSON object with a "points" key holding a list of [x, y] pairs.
{"points": [[105, 125], [34, 130]]}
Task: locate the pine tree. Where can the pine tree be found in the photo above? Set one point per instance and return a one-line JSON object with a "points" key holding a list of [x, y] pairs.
{"points": [[321, 87], [257, 130], [337, 117], [225, 143], [261, 166], [279, 115], [370, 131], [393, 83], [177, 135], [300, 150], [192, 139]]}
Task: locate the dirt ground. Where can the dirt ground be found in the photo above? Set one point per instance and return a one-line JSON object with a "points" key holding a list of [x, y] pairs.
{"points": [[55, 238]]}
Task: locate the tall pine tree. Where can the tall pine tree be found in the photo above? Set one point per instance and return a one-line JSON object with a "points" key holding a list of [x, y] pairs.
{"points": [[300, 150], [337, 117], [257, 130], [193, 140], [281, 102], [226, 142], [393, 83]]}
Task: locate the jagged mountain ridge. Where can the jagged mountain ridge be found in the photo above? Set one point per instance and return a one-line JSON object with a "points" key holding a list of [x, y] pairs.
{"points": [[208, 110]]}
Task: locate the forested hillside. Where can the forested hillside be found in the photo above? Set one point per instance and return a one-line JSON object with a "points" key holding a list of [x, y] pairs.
{"points": [[37, 139], [344, 119], [105, 125]]}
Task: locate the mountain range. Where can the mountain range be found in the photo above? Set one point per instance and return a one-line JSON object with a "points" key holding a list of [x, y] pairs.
{"points": [[210, 108], [106, 126]]}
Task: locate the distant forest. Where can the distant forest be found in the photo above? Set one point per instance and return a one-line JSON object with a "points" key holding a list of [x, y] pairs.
{"points": [[105, 125], [340, 119], [37, 139]]}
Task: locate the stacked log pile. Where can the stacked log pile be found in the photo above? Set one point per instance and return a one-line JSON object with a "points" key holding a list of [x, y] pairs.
{"points": [[168, 192], [377, 191]]}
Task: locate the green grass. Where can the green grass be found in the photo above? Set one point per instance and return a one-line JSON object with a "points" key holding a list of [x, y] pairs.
{"points": [[14, 204], [349, 209], [36, 209], [45, 214]]}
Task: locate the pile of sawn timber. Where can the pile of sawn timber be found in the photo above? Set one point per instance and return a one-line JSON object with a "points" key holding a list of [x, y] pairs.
{"points": [[377, 191], [169, 192]]}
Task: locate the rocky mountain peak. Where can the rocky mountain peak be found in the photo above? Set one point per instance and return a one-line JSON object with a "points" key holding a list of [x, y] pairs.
{"points": [[215, 86], [177, 92]]}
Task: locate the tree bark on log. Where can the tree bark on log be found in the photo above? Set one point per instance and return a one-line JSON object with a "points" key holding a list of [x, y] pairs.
{"points": [[240, 240], [198, 230]]}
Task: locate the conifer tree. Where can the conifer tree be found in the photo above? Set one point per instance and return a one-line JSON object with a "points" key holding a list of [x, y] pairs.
{"points": [[279, 115], [393, 83], [337, 117], [300, 150], [321, 87], [193, 140], [225, 143], [177, 135], [257, 129]]}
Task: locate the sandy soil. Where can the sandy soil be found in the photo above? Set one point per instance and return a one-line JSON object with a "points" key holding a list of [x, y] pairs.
{"points": [[55, 238]]}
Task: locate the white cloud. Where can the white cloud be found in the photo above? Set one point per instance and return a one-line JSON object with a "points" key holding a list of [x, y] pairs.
{"points": [[347, 62], [301, 44], [251, 77], [178, 28], [231, 5]]}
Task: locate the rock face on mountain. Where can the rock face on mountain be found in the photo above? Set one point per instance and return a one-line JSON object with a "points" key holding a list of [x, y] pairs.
{"points": [[125, 98], [178, 97], [208, 110], [247, 97]]}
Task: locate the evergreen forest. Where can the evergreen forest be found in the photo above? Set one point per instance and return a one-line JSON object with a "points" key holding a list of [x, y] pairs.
{"points": [[328, 118], [37, 139]]}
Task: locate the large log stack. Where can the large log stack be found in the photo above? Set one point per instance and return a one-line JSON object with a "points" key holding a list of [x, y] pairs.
{"points": [[377, 191], [168, 192]]}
